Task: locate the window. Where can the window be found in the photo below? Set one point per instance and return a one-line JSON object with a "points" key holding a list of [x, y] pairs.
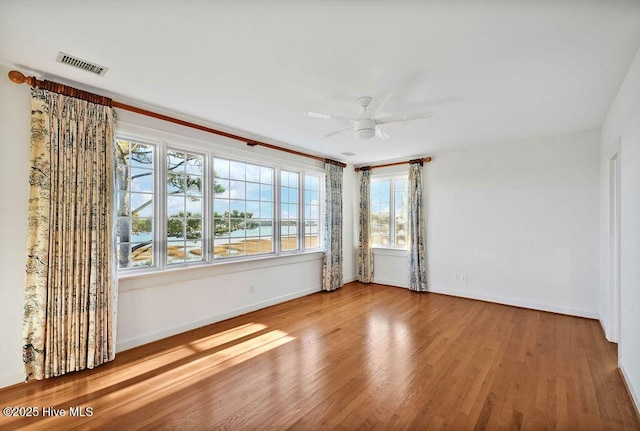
{"points": [[185, 181], [180, 207], [311, 211], [289, 214], [242, 208], [135, 175], [389, 212]]}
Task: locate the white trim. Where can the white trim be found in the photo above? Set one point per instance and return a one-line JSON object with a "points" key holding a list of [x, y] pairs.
{"points": [[517, 303], [394, 283], [635, 396], [144, 280], [11, 380], [138, 341], [613, 246]]}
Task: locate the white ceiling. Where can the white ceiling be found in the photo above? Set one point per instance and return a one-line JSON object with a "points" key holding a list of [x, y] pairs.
{"points": [[492, 71]]}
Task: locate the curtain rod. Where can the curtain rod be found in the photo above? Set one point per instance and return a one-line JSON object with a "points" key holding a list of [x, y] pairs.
{"points": [[368, 168], [20, 78]]}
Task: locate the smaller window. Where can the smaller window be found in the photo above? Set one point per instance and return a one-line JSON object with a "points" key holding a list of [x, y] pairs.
{"points": [[134, 204], [311, 211], [289, 210], [185, 207], [389, 211]]}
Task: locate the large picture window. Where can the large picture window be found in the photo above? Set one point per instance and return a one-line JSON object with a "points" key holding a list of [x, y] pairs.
{"points": [[242, 208], [389, 212], [180, 207]]}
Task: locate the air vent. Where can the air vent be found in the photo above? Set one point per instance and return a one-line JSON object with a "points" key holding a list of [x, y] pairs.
{"points": [[65, 58], [349, 153]]}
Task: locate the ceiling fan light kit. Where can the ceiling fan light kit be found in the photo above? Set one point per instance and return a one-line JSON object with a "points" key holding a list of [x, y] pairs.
{"points": [[366, 127]]}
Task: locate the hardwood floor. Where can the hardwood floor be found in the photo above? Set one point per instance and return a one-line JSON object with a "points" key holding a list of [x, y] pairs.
{"points": [[363, 357]]}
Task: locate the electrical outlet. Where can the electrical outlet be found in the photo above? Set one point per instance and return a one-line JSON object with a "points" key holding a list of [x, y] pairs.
{"points": [[252, 288], [463, 278], [454, 277]]}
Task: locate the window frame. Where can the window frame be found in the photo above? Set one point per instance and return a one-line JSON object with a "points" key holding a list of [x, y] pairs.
{"points": [[392, 179], [211, 150]]}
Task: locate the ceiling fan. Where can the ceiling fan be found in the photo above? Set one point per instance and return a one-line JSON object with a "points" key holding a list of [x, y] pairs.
{"points": [[367, 126]]}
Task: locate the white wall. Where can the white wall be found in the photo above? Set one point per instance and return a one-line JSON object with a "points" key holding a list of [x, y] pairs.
{"points": [[623, 124], [150, 306], [14, 175], [520, 220]]}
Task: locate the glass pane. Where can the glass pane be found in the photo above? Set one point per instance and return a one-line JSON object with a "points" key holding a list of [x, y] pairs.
{"points": [[194, 165], [175, 206], [236, 189], [253, 191], [220, 168], [123, 229], [220, 206], [176, 252], [175, 228], [194, 185], [253, 208], [253, 173], [293, 195], [175, 161], [194, 228], [194, 251], [193, 207], [266, 175], [141, 180], [141, 155], [141, 205], [236, 171], [237, 207], [221, 188], [266, 192], [175, 183], [122, 204], [141, 254], [266, 210], [221, 226], [293, 211], [141, 229], [123, 254]]}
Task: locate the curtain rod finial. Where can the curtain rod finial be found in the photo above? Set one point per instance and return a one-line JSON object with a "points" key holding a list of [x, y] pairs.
{"points": [[17, 77]]}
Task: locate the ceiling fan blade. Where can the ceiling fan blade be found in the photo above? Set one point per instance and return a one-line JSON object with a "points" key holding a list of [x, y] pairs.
{"points": [[328, 135], [381, 133], [376, 103], [328, 116], [405, 117]]}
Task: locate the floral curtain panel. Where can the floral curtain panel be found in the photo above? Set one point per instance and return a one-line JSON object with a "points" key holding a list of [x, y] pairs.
{"points": [[70, 297], [365, 253], [416, 232], [332, 259]]}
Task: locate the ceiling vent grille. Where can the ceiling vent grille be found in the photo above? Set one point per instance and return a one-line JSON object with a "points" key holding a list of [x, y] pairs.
{"points": [[65, 58]]}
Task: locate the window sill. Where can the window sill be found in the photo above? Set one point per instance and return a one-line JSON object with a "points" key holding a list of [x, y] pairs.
{"points": [[388, 251], [146, 279]]}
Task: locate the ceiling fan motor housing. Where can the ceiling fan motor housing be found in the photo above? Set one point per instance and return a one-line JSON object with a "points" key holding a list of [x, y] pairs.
{"points": [[365, 128]]}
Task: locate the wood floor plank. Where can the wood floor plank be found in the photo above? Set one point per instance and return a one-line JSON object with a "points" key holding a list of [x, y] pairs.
{"points": [[365, 357]]}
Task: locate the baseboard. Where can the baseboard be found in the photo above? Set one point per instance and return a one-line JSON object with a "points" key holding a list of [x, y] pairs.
{"points": [[394, 283], [518, 303], [11, 380], [139, 341], [635, 397]]}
